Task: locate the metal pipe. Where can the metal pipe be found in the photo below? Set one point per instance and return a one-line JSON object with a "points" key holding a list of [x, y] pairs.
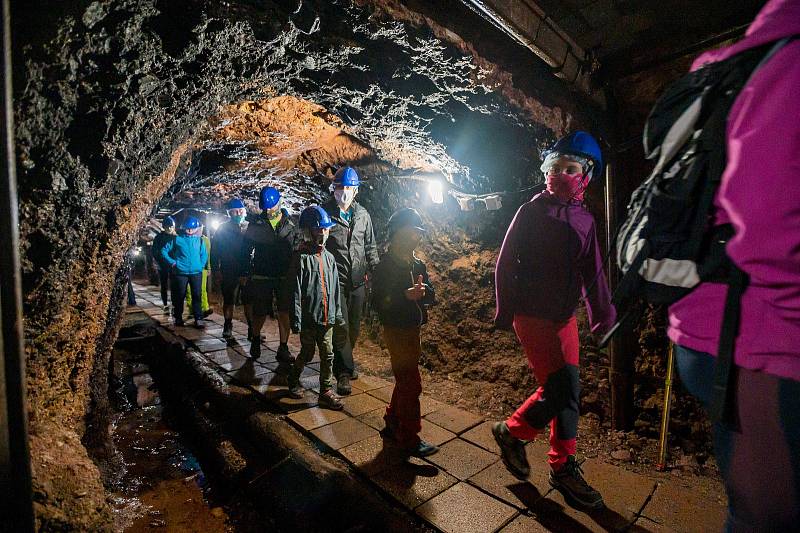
{"points": [[661, 464], [15, 474]]}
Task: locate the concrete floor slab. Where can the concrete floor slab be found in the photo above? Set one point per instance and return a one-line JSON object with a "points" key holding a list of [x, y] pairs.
{"points": [[498, 481], [414, 482], [464, 509], [702, 506], [384, 393], [368, 383], [315, 417], [290, 405], [454, 419], [524, 524], [373, 455], [359, 403], [462, 459], [374, 418], [428, 405], [228, 358], [344, 433], [435, 434], [210, 344], [481, 435]]}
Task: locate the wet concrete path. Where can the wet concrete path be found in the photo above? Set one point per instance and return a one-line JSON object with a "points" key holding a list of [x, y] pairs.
{"points": [[464, 487]]}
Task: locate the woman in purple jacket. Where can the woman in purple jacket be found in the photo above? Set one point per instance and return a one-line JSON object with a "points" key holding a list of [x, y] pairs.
{"points": [[760, 196], [549, 259]]}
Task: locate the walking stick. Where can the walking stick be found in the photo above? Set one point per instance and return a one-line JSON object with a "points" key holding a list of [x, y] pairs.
{"points": [[661, 465]]}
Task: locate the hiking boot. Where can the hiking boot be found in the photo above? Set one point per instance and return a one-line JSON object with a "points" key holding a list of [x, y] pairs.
{"points": [[343, 385], [512, 451], [296, 391], [423, 449], [179, 322], [328, 400], [199, 324], [284, 355], [208, 312], [227, 329], [570, 483], [255, 350], [354, 375], [167, 308]]}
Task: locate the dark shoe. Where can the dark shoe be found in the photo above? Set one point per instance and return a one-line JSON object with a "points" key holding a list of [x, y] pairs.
{"points": [[208, 312], [512, 451], [423, 449], [570, 483], [249, 332], [180, 322], [343, 385], [255, 350], [354, 375], [284, 355], [199, 324], [328, 400], [227, 329], [296, 392]]}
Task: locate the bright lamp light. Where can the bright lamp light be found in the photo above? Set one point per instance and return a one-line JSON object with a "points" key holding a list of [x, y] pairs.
{"points": [[436, 191], [215, 223]]}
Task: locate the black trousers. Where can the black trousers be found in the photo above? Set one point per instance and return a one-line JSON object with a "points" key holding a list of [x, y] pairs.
{"points": [[164, 281], [179, 282], [345, 337]]}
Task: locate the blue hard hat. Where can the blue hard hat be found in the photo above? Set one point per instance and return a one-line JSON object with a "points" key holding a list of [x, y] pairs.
{"points": [[314, 217], [268, 198], [169, 222], [581, 144], [191, 223], [346, 177], [234, 203]]}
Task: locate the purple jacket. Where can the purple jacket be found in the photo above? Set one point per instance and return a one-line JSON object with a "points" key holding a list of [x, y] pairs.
{"points": [[549, 258], [760, 196]]}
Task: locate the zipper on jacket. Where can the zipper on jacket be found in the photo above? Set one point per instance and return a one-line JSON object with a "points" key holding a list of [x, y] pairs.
{"points": [[324, 290]]}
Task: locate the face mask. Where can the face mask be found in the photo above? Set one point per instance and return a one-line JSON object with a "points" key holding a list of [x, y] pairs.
{"points": [[565, 187], [238, 219], [344, 197]]}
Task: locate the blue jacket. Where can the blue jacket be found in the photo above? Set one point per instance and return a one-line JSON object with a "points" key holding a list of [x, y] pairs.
{"points": [[186, 253]]}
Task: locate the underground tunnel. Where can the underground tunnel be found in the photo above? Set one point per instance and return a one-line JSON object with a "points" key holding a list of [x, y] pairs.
{"points": [[127, 111]]}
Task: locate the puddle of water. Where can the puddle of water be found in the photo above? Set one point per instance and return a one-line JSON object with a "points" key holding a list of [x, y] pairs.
{"points": [[162, 485]]}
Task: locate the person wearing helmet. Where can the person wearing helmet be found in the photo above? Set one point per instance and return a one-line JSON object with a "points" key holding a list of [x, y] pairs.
{"points": [[204, 303], [267, 247], [164, 236], [352, 243], [186, 256], [550, 258], [401, 295], [226, 253], [315, 304]]}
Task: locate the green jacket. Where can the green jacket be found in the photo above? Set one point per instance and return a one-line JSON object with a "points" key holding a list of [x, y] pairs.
{"points": [[314, 294]]}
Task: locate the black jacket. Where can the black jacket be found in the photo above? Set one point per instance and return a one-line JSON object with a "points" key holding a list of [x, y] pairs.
{"points": [[314, 293], [159, 242], [389, 283], [226, 249], [352, 244], [266, 251]]}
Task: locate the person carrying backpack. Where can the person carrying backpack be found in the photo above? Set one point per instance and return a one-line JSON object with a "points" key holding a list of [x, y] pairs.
{"points": [[550, 258], [757, 445], [315, 305], [186, 256]]}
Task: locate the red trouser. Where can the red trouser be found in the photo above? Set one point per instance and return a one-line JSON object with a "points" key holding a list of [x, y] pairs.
{"points": [[403, 413], [552, 349]]}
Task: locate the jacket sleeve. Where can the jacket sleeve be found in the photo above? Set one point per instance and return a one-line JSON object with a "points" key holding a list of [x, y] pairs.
{"points": [[295, 280], [760, 189], [245, 256], [430, 292], [370, 248], [596, 293], [506, 270], [165, 250], [337, 294]]}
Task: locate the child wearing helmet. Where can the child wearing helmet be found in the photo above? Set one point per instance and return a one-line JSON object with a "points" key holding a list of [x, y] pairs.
{"points": [[187, 256], [315, 305], [164, 278], [401, 294], [550, 258]]}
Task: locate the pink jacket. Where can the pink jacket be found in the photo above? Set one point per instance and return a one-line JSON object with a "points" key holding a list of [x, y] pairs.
{"points": [[760, 196]]}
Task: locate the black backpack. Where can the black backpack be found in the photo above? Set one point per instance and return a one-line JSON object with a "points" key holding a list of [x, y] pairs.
{"points": [[666, 247]]}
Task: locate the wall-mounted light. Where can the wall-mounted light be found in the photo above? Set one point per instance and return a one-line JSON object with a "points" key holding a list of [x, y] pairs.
{"points": [[215, 223], [436, 190]]}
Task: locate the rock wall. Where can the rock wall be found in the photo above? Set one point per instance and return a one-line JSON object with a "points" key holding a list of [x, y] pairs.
{"points": [[111, 98]]}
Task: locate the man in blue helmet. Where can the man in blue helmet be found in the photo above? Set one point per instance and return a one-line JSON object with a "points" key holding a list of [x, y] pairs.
{"points": [[187, 256], [164, 236], [315, 304], [267, 249], [226, 255], [551, 258], [352, 243]]}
